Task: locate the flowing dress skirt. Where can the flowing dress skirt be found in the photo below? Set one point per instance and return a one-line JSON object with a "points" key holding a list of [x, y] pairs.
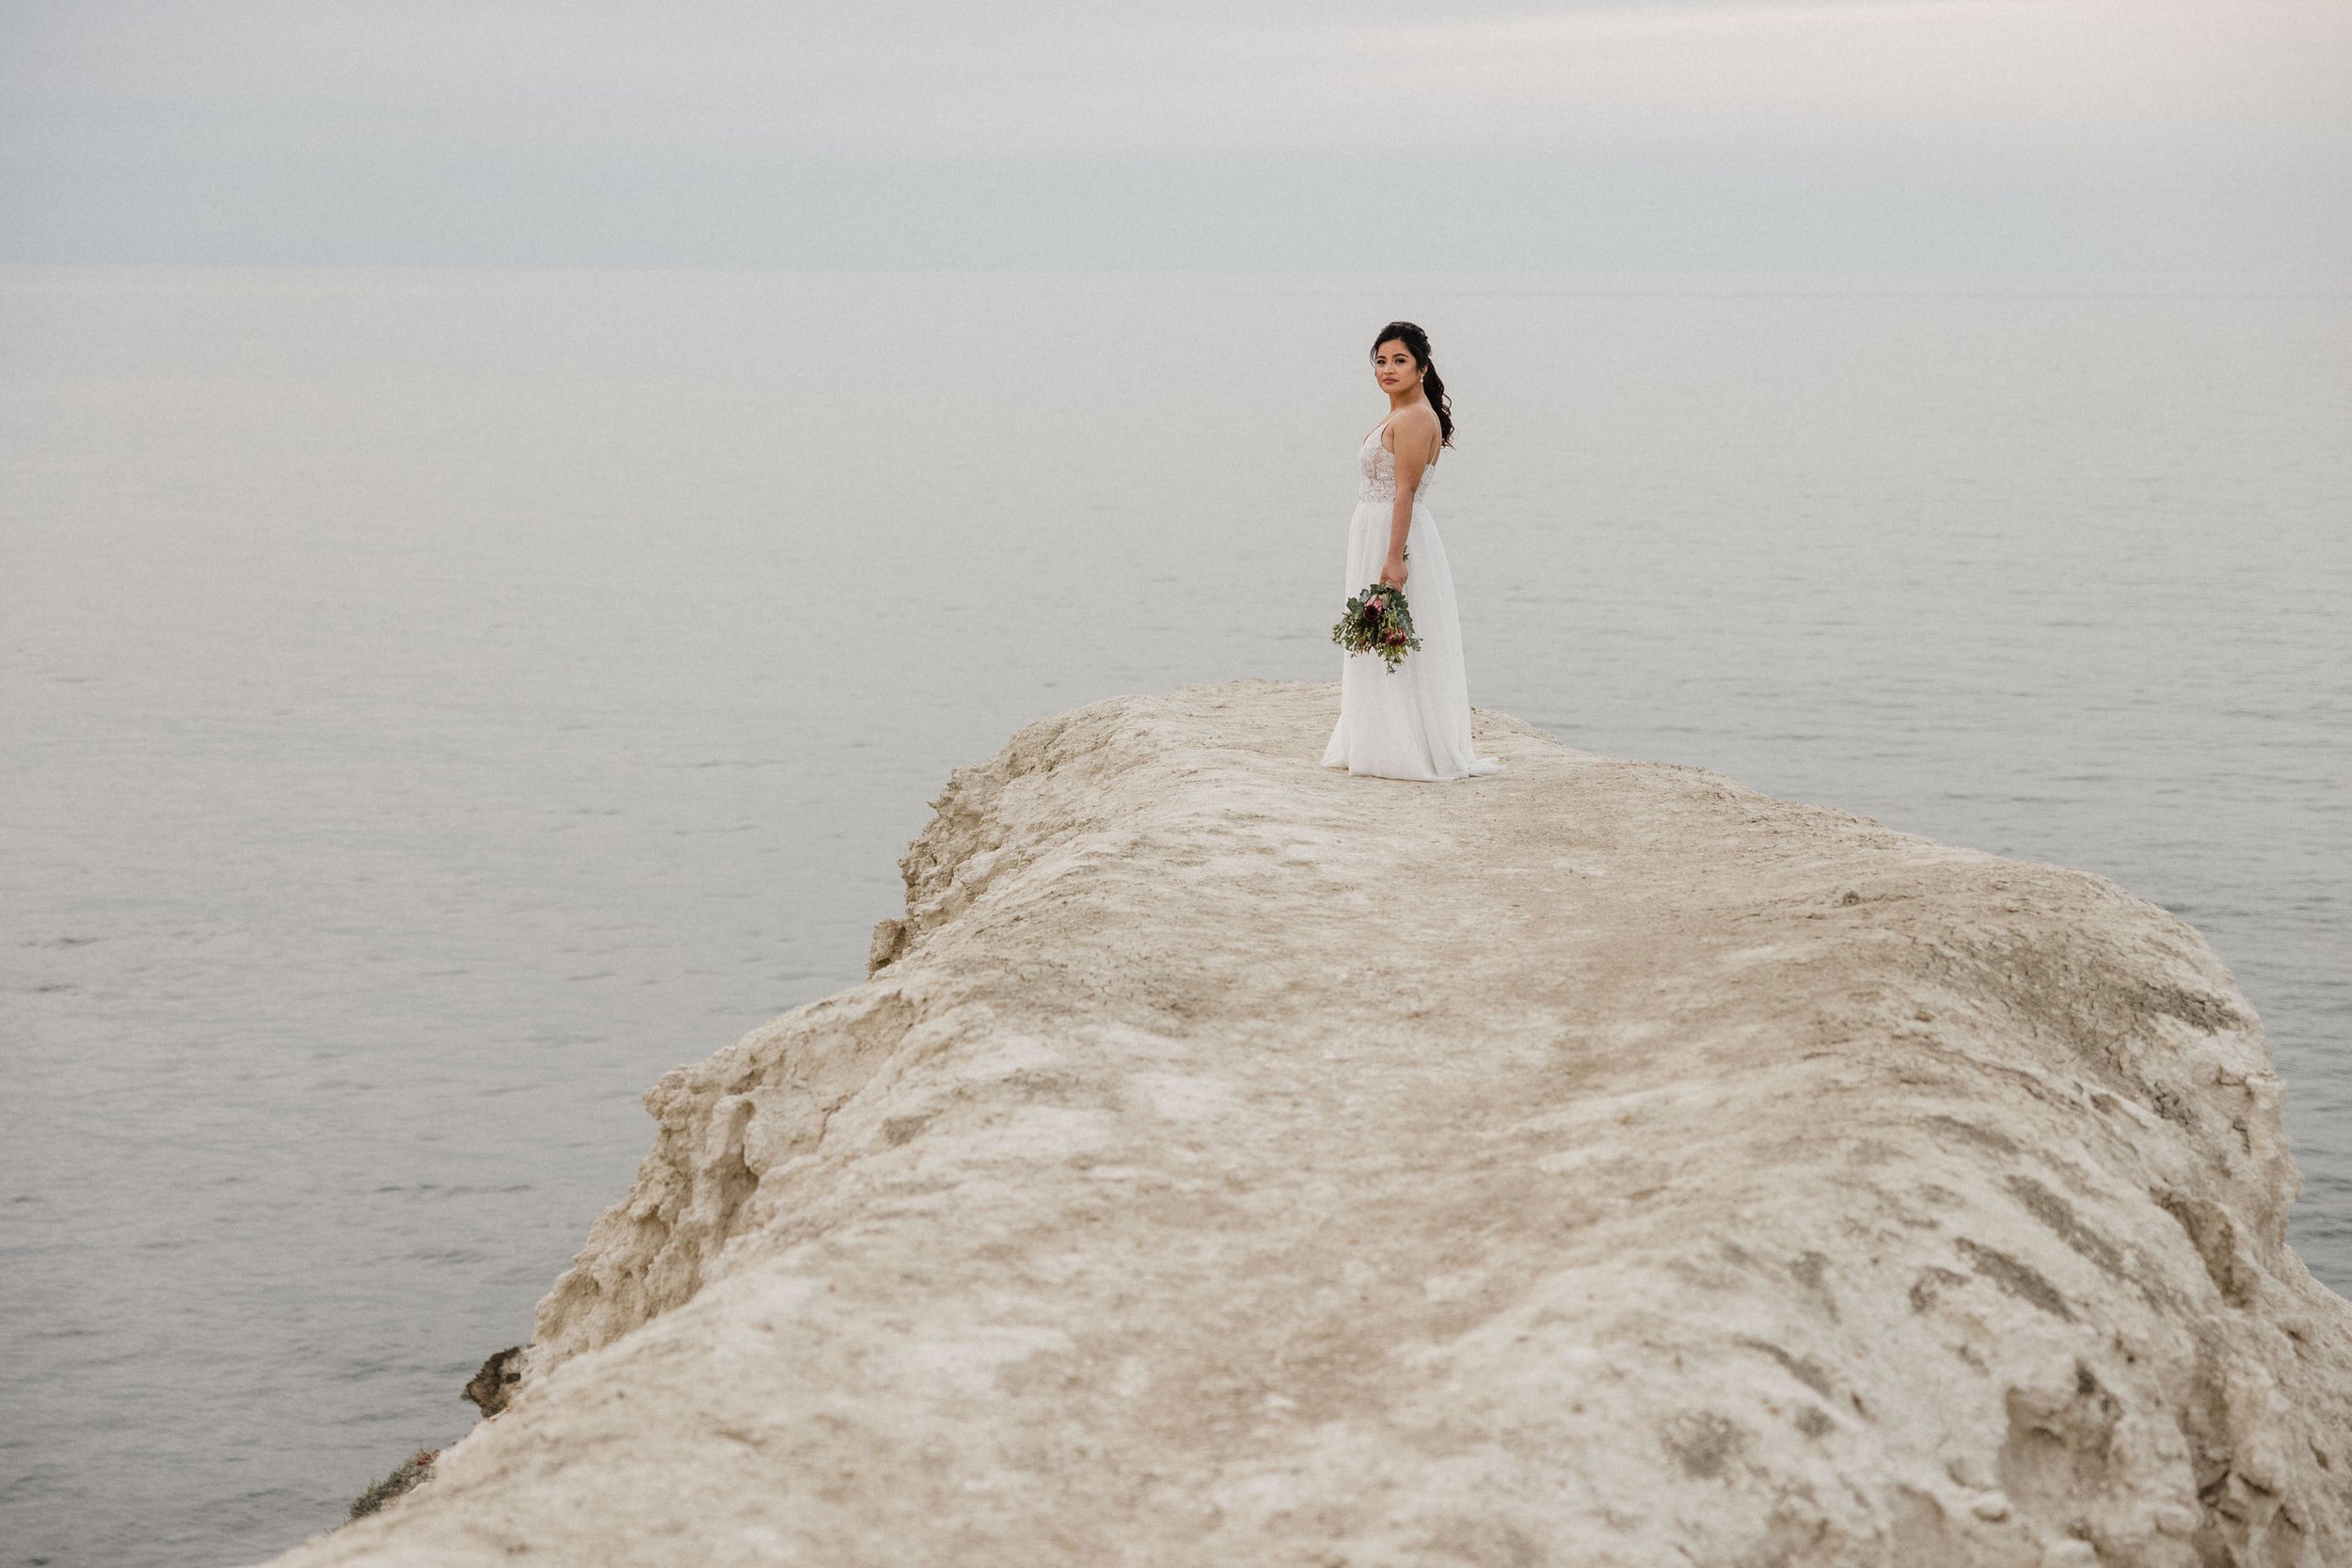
{"points": [[1412, 722]]}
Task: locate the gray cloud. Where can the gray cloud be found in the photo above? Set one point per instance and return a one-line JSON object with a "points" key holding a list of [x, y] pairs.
{"points": [[2161, 133]]}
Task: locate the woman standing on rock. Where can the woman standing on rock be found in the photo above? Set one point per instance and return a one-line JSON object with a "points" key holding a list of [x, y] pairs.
{"points": [[1410, 721]]}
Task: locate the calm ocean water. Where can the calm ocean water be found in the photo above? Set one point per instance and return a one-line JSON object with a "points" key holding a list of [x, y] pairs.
{"points": [[436, 703]]}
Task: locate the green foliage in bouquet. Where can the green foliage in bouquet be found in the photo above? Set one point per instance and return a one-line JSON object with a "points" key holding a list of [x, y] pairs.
{"points": [[1377, 622]]}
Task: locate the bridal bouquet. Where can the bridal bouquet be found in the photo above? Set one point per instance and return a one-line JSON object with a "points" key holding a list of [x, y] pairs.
{"points": [[1377, 622]]}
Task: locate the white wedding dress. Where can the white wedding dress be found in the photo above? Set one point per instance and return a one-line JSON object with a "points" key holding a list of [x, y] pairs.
{"points": [[1413, 721]]}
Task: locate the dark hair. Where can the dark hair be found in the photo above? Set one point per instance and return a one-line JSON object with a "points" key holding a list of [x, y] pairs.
{"points": [[1416, 343]]}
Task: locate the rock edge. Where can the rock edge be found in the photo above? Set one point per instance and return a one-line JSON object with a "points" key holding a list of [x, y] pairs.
{"points": [[1232, 1161]]}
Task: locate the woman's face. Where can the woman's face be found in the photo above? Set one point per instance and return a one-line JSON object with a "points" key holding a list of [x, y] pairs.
{"points": [[1392, 366]]}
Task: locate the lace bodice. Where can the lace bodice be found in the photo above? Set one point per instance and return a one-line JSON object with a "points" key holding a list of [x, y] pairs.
{"points": [[1376, 463]]}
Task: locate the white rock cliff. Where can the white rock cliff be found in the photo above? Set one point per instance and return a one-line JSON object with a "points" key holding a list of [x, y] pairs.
{"points": [[1231, 1161]]}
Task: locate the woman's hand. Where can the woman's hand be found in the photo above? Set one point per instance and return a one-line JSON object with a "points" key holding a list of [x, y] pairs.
{"points": [[1392, 572]]}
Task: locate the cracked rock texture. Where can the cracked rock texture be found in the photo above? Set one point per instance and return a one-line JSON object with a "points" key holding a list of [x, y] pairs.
{"points": [[1233, 1161]]}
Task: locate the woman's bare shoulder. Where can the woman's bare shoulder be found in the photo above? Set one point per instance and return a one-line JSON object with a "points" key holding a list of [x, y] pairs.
{"points": [[1414, 426], [1417, 417]]}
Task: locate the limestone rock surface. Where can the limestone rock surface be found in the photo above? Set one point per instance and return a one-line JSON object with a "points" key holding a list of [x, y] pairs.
{"points": [[1233, 1162]]}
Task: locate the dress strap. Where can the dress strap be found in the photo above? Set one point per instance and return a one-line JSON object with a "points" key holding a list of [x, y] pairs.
{"points": [[1383, 425]]}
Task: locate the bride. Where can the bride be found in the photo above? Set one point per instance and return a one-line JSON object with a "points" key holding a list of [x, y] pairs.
{"points": [[1412, 721]]}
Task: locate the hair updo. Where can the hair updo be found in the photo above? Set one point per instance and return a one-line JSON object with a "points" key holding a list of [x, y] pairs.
{"points": [[1416, 343]]}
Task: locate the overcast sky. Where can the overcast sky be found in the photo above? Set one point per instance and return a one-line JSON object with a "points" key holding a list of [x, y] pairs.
{"points": [[1693, 135]]}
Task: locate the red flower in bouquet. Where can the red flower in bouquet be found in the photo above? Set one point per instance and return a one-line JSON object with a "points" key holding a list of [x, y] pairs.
{"points": [[1377, 621]]}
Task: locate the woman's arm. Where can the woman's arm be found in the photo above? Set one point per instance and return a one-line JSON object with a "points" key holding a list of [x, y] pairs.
{"points": [[1410, 431]]}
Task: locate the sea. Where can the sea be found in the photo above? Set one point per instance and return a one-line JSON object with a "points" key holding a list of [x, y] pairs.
{"points": [[434, 703]]}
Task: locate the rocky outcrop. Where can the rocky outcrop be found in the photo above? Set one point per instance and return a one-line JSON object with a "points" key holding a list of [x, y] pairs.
{"points": [[1233, 1162]]}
